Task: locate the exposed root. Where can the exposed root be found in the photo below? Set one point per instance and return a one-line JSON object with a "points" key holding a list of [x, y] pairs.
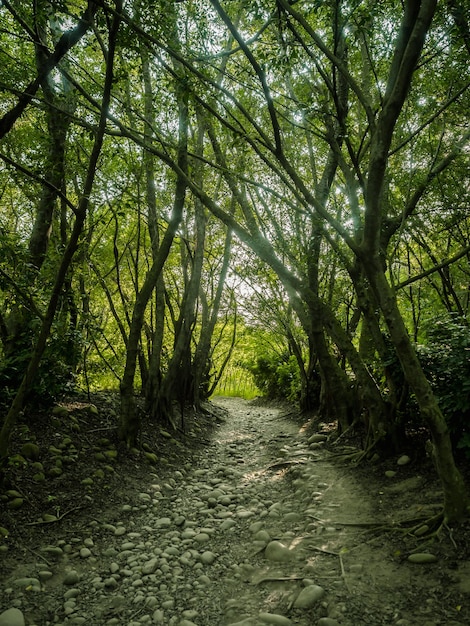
{"points": [[355, 457], [431, 526]]}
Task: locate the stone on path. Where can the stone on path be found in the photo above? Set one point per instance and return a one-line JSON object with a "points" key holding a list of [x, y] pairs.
{"points": [[317, 438], [309, 596], [12, 617], [71, 577], [277, 551], [422, 557], [403, 460], [275, 619]]}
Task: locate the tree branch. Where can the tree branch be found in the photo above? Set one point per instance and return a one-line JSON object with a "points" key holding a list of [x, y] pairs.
{"points": [[433, 269], [65, 43]]}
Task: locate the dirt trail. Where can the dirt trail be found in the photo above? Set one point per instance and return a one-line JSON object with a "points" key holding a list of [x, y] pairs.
{"points": [[262, 527]]}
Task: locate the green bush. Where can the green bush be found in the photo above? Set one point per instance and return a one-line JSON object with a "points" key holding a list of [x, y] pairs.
{"points": [[55, 375], [277, 376], [446, 362]]}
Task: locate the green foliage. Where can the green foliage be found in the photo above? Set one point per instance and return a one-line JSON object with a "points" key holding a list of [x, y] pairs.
{"points": [[55, 375], [444, 355], [277, 376], [446, 362]]}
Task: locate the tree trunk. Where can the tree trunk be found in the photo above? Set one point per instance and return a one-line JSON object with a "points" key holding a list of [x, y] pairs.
{"points": [[178, 383], [80, 215], [154, 369], [129, 422], [456, 502], [202, 361]]}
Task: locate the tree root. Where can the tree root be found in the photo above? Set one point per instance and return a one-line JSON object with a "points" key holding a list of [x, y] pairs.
{"points": [[286, 463], [424, 529], [431, 528], [355, 457]]}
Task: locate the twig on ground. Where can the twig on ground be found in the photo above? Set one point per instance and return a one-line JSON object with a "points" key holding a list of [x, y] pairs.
{"points": [[285, 463], [274, 578], [318, 549], [38, 554], [53, 521], [97, 430], [343, 572]]}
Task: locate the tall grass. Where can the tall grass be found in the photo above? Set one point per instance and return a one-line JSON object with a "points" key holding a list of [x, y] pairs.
{"points": [[237, 382]]}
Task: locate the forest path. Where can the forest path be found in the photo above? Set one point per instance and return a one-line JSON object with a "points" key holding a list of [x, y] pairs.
{"points": [[262, 527]]}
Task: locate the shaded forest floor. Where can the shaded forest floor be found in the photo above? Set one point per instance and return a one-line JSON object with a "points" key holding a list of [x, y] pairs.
{"points": [[340, 525]]}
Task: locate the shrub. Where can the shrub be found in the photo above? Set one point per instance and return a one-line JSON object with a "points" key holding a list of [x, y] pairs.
{"points": [[277, 376], [446, 362]]}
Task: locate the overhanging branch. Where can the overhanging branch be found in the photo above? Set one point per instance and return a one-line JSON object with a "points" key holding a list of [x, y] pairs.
{"points": [[435, 268]]}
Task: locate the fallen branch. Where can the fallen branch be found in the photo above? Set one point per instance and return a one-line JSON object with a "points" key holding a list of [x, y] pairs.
{"points": [[286, 463], [37, 554], [275, 578], [343, 572], [53, 521]]}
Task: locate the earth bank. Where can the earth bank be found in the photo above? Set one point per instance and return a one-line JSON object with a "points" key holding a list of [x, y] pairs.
{"points": [[260, 525]]}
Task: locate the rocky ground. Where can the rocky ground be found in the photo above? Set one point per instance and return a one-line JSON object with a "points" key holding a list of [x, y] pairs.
{"points": [[249, 518]]}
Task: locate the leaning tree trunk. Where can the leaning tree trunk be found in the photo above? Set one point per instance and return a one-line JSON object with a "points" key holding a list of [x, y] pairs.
{"points": [[178, 383], [59, 104], [129, 422], [154, 217], [202, 361], [456, 502], [417, 18], [67, 257]]}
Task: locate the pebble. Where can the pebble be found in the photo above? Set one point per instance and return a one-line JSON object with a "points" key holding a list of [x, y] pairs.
{"points": [[309, 596], [403, 460], [277, 551], [150, 567], [27, 583], [71, 593], [273, 618], [317, 438], [208, 557], [12, 617], [71, 578], [169, 557], [422, 557]]}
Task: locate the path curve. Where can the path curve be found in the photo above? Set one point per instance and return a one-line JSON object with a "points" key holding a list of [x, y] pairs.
{"points": [[261, 530]]}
